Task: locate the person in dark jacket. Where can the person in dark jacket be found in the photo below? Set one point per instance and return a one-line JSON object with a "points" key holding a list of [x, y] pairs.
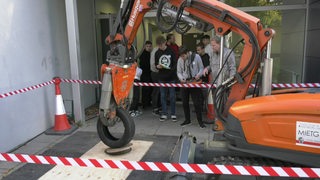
{"points": [[189, 69], [165, 63], [205, 79], [171, 43], [146, 74], [156, 104]]}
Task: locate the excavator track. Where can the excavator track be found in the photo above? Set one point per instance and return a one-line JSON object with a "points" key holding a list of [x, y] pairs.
{"points": [[188, 150], [216, 152], [251, 161]]}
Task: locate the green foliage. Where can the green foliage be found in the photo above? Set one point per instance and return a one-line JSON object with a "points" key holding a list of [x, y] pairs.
{"points": [[267, 18], [248, 3]]}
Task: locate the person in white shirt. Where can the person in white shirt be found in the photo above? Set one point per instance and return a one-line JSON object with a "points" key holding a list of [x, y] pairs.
{"points": [[133, 110]]}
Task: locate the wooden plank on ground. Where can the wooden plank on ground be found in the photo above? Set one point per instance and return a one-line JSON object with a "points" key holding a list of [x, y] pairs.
{"points": [[139, 149]]}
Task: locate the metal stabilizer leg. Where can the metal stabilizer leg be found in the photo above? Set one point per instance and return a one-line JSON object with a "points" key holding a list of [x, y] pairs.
{"points": [[184, 153]]}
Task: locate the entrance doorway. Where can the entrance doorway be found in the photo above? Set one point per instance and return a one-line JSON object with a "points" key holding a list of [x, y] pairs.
{"points": [[190, 40], [104, 24]]}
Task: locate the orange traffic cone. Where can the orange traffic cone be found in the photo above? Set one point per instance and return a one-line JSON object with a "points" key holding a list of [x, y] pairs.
{"points": [[218, 126], [61, 123], [210, 113]]}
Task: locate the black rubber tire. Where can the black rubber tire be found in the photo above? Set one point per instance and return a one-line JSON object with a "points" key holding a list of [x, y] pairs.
{"points": [[129, 129]]}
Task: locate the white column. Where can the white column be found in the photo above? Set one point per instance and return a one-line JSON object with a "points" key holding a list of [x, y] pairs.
{"points": [[75, 60]]}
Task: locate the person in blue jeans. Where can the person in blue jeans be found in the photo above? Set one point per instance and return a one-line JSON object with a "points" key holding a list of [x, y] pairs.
{"points": [[166, 64]]}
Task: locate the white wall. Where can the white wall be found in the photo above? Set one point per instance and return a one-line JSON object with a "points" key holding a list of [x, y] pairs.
{"points": [[33, 49]]}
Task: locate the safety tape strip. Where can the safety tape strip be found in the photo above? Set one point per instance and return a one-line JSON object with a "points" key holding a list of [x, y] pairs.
{"points": [[80, 81], [23, 90], [165, 167], [280, 85]]}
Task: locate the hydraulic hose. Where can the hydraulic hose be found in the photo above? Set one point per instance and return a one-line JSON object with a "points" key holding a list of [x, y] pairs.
{"points": [[222, 90], [160, 18]]}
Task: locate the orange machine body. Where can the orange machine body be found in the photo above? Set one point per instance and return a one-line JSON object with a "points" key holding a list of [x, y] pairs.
{"points": [[122, 80], [273, 120]]}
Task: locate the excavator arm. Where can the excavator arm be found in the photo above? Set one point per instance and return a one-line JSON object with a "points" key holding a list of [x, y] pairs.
{"points": [[222, 17], [239, 115], [128, 21]]}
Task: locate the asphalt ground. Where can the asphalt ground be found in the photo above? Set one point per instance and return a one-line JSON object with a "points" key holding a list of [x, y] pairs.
{"points": [[80, 142]]}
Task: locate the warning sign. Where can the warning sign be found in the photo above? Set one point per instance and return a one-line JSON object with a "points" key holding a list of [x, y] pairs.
{"points": [[308, 134]]}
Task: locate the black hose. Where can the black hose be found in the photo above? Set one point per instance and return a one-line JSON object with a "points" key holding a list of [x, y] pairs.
{"points": [[125, 41], [255, 92], [221, 90], [235, 22], [182, 27], [160, 17]]}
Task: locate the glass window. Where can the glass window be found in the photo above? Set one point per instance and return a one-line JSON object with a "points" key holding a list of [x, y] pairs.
{"points": [[287, 45], [249, 3]]}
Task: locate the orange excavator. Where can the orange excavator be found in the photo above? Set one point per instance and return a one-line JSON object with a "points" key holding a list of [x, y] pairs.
{"points": [[282, 126]]}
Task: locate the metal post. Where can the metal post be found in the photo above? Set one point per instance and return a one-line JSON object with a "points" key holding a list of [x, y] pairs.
{"points": [[74, 54], [305, 41], [221, 78], [221, 55], [267, 72]]}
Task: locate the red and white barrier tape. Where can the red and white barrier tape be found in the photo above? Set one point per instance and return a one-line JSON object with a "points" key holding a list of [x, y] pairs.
{"points": [[80, 81], [173, 85], [296, 85], [165, 167], [23, 90], [141, 83], [280, 85]]}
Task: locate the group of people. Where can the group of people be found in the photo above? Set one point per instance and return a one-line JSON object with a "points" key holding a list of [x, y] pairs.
{"points": [[169, 63]]}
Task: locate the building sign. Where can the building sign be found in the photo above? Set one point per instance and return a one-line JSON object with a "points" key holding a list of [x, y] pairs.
{"points": [[308, 134]]}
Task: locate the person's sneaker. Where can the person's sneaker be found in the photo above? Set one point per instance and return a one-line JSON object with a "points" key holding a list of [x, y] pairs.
{"points": [[185, 123], [174, 118], [132, 113], [202, 126], [163, 117], [138, 112], [155, 112]]}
